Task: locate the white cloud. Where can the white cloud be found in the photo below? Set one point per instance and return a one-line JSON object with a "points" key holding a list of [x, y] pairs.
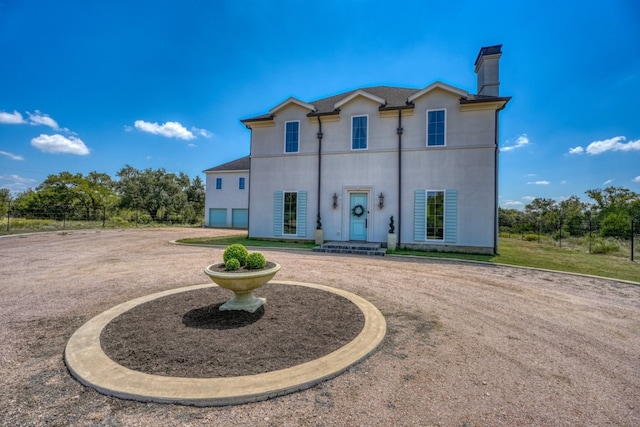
{"points": [[39, 118], [539, 182], [636, 179], [576, 150], [16, 179], [11, 155], [202, 132], [528, 198], [16, 183], [513, 204], [168, 129], [521, 141], [612, 144], [607, 182], [563, 182], [14, 118], [60, 144]]}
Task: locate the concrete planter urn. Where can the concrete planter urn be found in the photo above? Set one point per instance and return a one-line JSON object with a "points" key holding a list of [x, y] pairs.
{"points": [[319, 237], [242, 284], [392, 242]]}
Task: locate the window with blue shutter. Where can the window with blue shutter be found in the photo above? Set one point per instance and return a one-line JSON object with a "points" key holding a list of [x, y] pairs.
{"points": [[278, 198], [419, 216], [302, 213], [451, 216]]}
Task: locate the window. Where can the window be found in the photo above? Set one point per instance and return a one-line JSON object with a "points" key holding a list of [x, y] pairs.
{"points": [[218, 183], [291, 137], [241, 183], [290, 217], [435, 215], [359, 132], [435, 127]]}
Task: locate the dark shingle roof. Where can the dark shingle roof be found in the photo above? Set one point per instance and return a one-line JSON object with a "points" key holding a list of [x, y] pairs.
{"points": [[396, 98], [241, 164]]}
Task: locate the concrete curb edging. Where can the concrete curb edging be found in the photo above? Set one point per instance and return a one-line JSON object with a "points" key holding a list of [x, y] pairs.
{"points": [[93, 368]]}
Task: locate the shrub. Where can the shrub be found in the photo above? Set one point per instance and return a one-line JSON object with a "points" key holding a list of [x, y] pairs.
{"points": [[236, 251], [530, 237], [231, 264], [602, 246], [256, 261]]}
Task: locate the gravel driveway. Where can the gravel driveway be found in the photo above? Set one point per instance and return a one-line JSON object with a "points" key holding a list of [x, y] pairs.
{"points": [[467, 344]]}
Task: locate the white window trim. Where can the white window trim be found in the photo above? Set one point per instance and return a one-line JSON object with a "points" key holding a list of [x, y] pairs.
{"points": [[285, 137], [351, 134], [444, 213], [284, 204], [426, 142]]}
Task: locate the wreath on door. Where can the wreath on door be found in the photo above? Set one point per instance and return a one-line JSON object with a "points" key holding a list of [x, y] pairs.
{"points": [[357, 211]]}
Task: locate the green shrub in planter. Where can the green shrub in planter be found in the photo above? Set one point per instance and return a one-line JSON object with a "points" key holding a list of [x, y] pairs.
{"points": [[232, 264], [236, 251], [256, 261]]}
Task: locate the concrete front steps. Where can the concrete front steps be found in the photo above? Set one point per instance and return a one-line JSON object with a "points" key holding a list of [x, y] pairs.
{"points": [[356, 248]]}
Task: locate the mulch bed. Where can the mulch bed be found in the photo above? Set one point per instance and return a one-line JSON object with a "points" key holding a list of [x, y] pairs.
{"points": [[185, 335]]}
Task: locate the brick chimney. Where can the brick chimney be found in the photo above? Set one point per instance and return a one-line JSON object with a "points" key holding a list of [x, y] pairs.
{"points": [[487, 69]]}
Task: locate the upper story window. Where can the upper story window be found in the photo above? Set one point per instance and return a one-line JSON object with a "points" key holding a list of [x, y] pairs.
{"points": [[218, 183], [241, 183], [291, 137], [436, 121], [359, 131]]}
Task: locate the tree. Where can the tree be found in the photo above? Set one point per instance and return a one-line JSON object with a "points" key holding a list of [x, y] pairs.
{"points": [[573, 213], [544, 212], [616, 224], [612, 199], [162, 195], [5, 201]]}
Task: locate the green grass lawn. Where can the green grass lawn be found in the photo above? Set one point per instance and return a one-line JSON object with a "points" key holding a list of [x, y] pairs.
{"points": [[513, 251]]}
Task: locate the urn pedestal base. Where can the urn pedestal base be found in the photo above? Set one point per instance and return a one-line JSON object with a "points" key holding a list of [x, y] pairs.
{"points": [[246, 301]]}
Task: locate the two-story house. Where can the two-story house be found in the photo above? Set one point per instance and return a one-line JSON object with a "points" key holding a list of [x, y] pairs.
{"points": [[349, 162]]}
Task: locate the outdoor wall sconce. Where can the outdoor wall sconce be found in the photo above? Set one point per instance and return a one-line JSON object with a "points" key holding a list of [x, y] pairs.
{"points": [[381, 201], [335, 200]]}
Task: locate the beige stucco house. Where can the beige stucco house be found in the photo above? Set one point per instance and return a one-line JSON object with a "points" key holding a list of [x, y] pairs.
{"points": [[349, 162]]}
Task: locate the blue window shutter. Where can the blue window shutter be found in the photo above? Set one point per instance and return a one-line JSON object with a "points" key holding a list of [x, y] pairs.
{"points": [[302, 213], [451, 216], [419, 216], [278, 210]]}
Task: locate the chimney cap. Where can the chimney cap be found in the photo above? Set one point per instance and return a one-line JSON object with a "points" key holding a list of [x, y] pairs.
{"points": [[488, 50]]}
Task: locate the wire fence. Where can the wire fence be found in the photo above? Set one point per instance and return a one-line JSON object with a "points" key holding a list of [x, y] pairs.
{"points": [[586, 236], [60, 219]]}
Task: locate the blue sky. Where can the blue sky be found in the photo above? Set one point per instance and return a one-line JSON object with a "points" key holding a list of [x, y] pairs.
{"points": [[94, 85]]}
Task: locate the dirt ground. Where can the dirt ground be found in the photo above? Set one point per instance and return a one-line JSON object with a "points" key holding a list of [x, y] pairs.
{"points": [[467, 344]]}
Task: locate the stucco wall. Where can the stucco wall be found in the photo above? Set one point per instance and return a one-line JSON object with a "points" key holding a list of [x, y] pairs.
{"points": [[466, 164], [229, 197]]}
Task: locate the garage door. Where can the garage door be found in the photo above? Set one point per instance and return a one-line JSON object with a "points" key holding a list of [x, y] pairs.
{"points": [[240, 218], [217, 217]]}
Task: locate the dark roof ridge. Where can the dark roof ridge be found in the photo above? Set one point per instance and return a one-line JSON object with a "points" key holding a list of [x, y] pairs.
{"points": [[243, 163]]}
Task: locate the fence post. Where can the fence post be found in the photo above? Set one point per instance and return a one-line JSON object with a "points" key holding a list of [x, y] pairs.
{"points": [[8, 215], [632, 239], [560, 231], [590, 234]]}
